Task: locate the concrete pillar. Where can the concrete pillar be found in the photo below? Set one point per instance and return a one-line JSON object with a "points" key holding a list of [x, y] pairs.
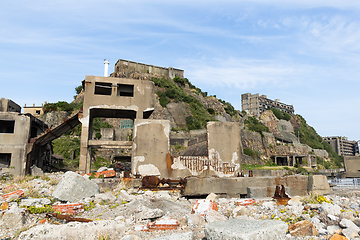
{"points": [[288, 160], [84, 164]]}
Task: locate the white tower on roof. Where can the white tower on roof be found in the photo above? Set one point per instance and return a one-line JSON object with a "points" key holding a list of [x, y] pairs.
{"points": [[106, 70]]}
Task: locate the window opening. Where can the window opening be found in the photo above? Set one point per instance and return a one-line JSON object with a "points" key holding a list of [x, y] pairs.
{"points": [[37, 112], [125, 90], [7, 126], [5, 160], [102, 88]]}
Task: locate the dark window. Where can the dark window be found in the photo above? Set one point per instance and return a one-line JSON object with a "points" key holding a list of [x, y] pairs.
{"points": [[102, 88], [7, 126], [125, 90], [5, 160], [33, 132], [37, 112]]}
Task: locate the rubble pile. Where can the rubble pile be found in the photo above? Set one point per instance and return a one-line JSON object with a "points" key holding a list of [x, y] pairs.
{"points": [[71, 206]]}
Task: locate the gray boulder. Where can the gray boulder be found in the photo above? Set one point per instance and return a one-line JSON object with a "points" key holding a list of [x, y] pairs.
{"points": [[238, 229], [14, 218], [74, 187]]}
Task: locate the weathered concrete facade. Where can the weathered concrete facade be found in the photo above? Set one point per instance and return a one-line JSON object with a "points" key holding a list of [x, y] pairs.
{"points": [[111, 97], [151, 148], [352, 166], [341, 145], [255, 104], [34, 110], [7, 105], [17, 132], [122, 64]]}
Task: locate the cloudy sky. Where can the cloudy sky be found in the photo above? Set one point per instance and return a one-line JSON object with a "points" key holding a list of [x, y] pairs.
{"points": [[305, 53]]}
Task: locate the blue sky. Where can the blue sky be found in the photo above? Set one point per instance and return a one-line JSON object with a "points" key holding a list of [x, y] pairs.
{"points": [[305, 53]]}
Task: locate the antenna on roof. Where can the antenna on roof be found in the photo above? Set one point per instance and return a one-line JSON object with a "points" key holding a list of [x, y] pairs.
{"points": [[106, 69]]}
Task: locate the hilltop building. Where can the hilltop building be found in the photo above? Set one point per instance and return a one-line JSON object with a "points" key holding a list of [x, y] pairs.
{"points": [[341, 145], [254, 104], [34, 110]]}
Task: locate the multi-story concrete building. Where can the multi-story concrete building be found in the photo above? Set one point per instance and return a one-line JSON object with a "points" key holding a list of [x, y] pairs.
{"points": [[17, 135], [341, 145], [255, 104]]}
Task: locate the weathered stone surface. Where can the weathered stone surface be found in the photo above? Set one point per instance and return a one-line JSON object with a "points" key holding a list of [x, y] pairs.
{"points": [[74, 230], [302, 229], [350, 229], [179, 236], [105, 197], [213, 197], [319, 185], [196, 220], [213, 216], [37, 202], [14, 218], [329, 208], [333, 229], [236, 229], [124, 196], [36, 171], [148, 213], [338, 237], [130, 237], [73, 187]]}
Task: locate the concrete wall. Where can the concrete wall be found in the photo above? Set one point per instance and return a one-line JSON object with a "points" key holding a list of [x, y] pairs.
{"points": [[16, 143], [151, 145], [352, 166], [224, 143], [7, 105], [145, 68], [298, 185]]}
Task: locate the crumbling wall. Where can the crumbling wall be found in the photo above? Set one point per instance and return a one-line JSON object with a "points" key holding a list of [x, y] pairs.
{"points": [[224, 145], [151, 143]]}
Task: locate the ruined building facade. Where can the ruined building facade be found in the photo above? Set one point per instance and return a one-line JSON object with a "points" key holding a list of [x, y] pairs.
{"points": [[17, 136], [341, 145], [134, 100], [255, 105]]}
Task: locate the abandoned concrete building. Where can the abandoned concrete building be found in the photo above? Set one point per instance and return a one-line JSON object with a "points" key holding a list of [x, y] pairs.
{"points": [[255, 104], [17, 136], [341, 145], [34, 110], [133, 100], [129, 69]]}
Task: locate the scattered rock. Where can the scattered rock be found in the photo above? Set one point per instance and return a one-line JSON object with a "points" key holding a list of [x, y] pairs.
{"points": [[104, 198], [73, 187], [236, 229], [213, 197], [302, 229], [179, 236], [35, 202], [213, 216]]}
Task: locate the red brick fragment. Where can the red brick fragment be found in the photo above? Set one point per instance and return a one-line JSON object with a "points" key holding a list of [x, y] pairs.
{"points": [[73, 208], [20, 193]]}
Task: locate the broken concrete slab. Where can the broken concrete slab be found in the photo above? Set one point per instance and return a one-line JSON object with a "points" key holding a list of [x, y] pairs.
{"points": [[72, 230], [36, 202], [73, 187], [14, 218], [241, 229]]}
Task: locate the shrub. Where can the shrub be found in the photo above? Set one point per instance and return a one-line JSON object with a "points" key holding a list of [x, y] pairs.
{"points": [[280, 114], [211, 111], [254, 125], [250, 152]]}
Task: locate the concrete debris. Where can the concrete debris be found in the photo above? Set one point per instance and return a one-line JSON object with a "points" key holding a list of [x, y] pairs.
{"points": [[235, 229], [35, 202], [136, 214], [73, 187]]}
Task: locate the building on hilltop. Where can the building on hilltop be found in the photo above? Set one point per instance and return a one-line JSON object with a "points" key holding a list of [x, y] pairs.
{"points": [[34, 110], [255, 104], [341, 145], [135, 70]]}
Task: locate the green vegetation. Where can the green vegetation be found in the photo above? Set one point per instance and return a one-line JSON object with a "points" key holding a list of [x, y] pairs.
{"points": [[254, 125], [251, 153], [39, 210], [280, 114], [100, 162], [308, 136], [62, 106], [66, 146], [172, 92]]}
